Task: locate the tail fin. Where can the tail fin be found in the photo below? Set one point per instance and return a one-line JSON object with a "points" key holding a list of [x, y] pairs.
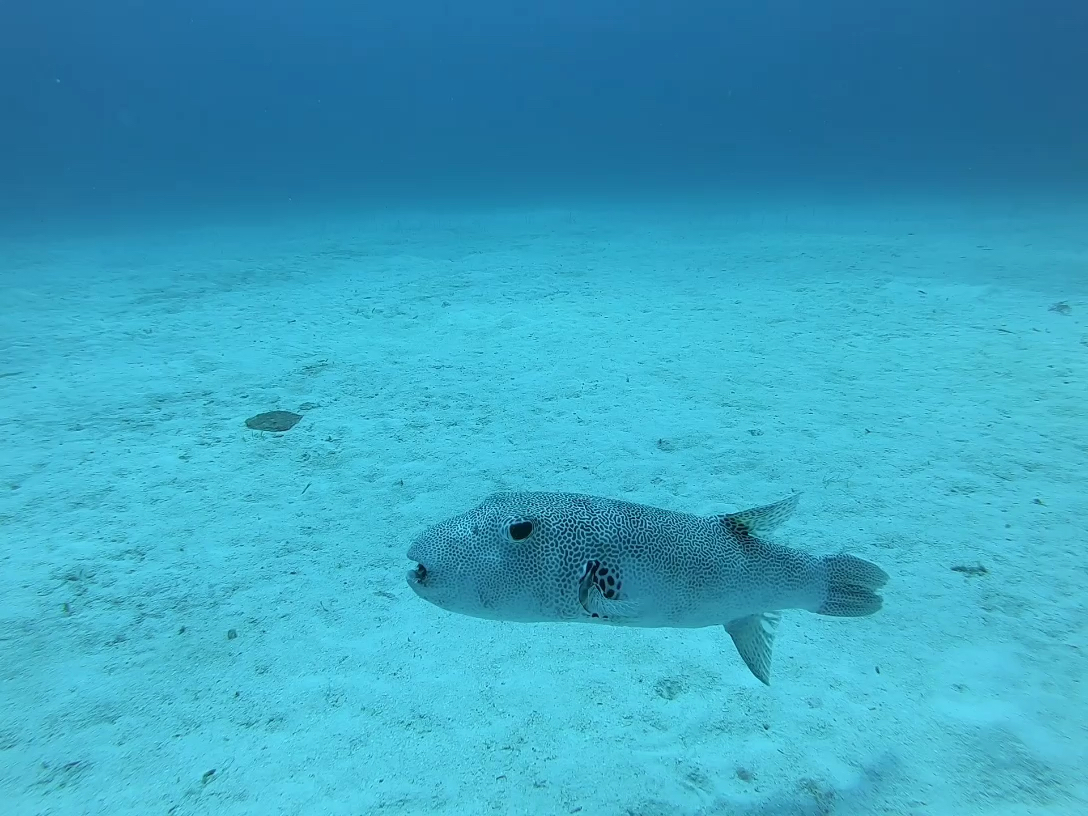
{"points": [[851, 587]]}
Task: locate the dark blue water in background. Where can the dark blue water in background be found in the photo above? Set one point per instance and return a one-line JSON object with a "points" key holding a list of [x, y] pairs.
{"points": [[161, 103]]}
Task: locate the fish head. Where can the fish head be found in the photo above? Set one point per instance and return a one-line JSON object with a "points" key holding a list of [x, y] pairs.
{"points": [[482, 563]]}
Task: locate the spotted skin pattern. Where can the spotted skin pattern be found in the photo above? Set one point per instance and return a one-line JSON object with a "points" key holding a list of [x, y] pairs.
{"points": [[535, 557]]}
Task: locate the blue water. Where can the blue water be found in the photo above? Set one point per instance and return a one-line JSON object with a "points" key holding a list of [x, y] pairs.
{"points": [[696, 255], [137, 104]]}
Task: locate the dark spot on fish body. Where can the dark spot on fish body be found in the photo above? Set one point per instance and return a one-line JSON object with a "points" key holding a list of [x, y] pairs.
{"points": [[740, 533]]}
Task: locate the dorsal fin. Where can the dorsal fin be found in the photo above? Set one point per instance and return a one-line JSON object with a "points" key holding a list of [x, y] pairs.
{"points": [[759, 521]]}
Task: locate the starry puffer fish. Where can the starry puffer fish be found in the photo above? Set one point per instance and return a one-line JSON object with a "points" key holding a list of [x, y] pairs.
{"points": [[534, 557]]}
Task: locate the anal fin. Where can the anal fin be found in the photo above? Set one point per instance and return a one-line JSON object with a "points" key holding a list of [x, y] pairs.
{"points": [[754, 638]]}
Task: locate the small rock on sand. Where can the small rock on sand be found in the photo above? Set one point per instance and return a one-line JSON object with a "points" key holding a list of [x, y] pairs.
{"points": [[275, 421]]}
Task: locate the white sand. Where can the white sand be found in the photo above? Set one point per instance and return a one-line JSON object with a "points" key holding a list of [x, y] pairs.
{"points": [[899, 365]]}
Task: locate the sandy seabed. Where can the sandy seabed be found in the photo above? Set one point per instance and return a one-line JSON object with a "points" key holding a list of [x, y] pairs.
{"points": [[200, 618]]}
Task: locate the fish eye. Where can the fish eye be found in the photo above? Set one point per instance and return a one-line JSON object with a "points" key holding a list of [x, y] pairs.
{"points": [[520, 530]]}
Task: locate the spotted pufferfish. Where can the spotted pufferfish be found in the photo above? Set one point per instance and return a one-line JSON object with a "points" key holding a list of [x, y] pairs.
{"points": [[540, 557]]}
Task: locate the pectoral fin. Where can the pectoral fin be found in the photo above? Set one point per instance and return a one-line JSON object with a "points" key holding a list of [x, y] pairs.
{"points": [[599, 606], [600, 597]]}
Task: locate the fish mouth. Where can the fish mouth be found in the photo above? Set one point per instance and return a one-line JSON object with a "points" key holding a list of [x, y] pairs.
{"points": [[418, 576]]}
